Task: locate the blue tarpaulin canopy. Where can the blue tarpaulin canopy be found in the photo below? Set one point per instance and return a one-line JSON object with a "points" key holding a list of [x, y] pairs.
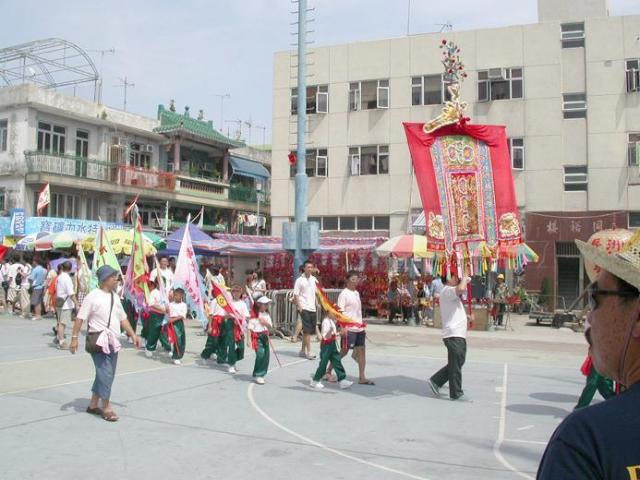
{"points": [[203, 244], [248, 168]]}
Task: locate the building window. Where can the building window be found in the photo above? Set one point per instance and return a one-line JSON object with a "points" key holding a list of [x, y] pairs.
{"points": [[93, 209], [82, 143], [574, 105], [4, 134], [364, 223], [634, 219], [516, 149], [429, 90], [632, 74], [65, 205], [140, 155], [329, 223], [51, 138], [317, 99], [575, 179], [360, 223], [347, 223], [317, 163], [369, 95], [633, 150], [369, 160], [572, 35], [500, 84], [3, 200]]}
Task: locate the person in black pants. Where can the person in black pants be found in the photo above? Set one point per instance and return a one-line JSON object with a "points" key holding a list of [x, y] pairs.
{"points": [[454, 333]]}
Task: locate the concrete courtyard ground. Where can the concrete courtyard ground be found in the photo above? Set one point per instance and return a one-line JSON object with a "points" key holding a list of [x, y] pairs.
{"points": [[198, 422]]}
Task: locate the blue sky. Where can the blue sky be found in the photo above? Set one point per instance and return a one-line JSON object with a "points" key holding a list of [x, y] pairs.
{"points": [[191, 50]]}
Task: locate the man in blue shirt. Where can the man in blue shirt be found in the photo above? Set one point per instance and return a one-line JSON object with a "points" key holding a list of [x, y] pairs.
{"points": [[603, 441], [36, 280]]}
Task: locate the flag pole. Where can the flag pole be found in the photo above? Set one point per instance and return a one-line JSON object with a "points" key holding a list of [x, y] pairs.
{"points": [[275, 354]]}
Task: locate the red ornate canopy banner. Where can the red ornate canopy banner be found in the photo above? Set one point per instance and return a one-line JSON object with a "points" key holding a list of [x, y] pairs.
{"points": [[467, 191]]}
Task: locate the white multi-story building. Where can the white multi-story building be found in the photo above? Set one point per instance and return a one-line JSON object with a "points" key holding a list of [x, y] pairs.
{"points": [[567, 88]]}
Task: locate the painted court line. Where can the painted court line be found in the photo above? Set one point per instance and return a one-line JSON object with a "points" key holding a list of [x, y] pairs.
{"points": [[531, 442], [319, 445], [501, 428]]}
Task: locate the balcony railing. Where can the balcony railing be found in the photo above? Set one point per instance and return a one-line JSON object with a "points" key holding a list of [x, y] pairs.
{"points": [[202, 187], [145, 178], [69, 165], [246, 194]]}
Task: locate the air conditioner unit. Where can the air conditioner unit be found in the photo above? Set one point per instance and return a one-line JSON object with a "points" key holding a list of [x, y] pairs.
{"points": [[497, 73], [149, 148], [574, 106]]}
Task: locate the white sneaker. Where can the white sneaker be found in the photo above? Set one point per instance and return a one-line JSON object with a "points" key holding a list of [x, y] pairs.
{"points": [[214, 356], [316, 385], [177, 362], [345, 383], [148, 353], [232, 370], [260, 381], [130, 340]]}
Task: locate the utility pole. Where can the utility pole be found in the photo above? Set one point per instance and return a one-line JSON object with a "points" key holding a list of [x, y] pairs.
{"points": [[249, 124], [102, 53], [125, 84], [301, 179], [222, 97]]}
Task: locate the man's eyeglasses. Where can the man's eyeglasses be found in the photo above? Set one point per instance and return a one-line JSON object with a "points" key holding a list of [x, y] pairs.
{"points": [[593, 291]]}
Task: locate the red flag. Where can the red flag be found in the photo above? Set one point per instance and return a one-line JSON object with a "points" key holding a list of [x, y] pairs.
{"points": [[127, 212], [292, 159], [225, 300], [44, 198]]}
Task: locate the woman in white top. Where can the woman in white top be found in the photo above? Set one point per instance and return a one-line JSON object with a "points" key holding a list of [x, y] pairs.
{"points": [[103, 312], [259, 325], [258, 286]]}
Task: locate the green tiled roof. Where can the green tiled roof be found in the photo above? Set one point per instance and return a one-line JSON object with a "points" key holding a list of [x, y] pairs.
{"points": [[172, 121]]}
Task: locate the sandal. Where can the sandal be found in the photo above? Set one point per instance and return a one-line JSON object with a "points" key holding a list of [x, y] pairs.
{"points": [[110, 416], [94, 411], [367, 382]]}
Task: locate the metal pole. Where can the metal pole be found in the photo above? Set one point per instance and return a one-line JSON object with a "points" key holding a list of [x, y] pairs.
{"points": [[258, 193], [301, 179]]}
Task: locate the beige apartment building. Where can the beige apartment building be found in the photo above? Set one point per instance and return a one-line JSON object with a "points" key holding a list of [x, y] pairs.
{"points": [[567, 88]]}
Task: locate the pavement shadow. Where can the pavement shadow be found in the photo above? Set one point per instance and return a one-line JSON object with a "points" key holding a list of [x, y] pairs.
{"points": [[533, 409], [554, 397], [390, 386], [80, 405]]}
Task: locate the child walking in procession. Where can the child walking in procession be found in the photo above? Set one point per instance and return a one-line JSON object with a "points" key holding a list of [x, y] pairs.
{"points": [[259, 325], [175, 327], [232, 348], [329, 353], [157, 312], [217, 316]]}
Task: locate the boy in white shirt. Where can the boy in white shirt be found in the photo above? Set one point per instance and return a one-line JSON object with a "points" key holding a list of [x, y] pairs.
{"points": [[232, 333], [158, 306], [329, 353], [217, 314], [175, 328], [259, 326]]}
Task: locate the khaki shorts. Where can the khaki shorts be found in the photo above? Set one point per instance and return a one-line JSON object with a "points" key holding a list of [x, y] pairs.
{"points": [[65, 317]]}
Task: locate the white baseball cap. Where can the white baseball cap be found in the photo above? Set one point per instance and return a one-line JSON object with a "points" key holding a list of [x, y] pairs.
{"points": [[264, 300]]}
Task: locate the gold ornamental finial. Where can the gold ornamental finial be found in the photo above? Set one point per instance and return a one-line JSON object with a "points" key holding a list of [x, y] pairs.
{"points": [[454, 74]]}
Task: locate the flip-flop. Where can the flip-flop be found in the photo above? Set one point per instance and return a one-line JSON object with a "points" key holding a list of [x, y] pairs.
{"points": [[94, 411], [368, 382], [110, 416]]}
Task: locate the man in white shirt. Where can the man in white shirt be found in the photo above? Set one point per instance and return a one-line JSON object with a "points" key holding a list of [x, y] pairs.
{"points": [[304, 294], [454, 333], [14, 277], [165, 272], [350, 305], [65, 303]]}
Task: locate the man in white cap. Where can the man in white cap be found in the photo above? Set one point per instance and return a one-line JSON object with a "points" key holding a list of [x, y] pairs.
{"points": [[603, 441]]}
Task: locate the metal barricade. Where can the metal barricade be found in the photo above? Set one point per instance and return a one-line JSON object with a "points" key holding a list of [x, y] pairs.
{"points": [[284, 313]]}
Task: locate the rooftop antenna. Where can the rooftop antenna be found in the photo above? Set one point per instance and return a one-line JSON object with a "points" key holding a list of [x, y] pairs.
{"points": [[102, 53], [125, 84], [408, 16], [222, 97], [264, 133], [239, 130], [249, 124]]}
